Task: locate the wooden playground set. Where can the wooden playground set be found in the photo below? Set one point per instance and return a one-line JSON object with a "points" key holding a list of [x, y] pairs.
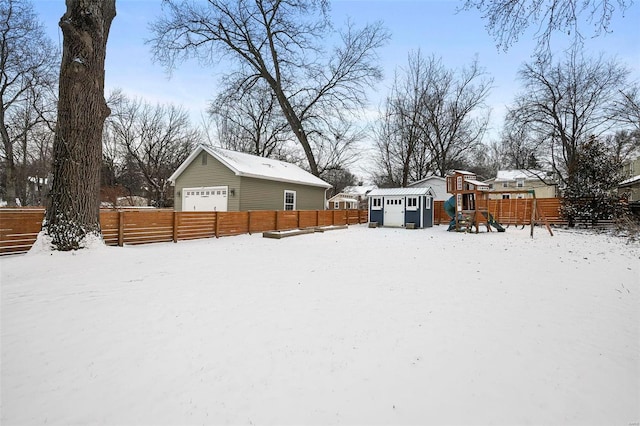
{"points": [[468, 208]]}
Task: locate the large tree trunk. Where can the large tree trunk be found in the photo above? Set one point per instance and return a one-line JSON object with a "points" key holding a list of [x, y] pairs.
{"points": [[74, 209]]}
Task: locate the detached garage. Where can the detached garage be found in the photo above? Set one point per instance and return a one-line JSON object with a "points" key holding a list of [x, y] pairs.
{"points": [[215, 179], [401, 207]]}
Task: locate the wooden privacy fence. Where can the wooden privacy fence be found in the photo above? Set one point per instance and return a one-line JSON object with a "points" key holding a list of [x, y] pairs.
{"points": [[514, 211], [20, 227]]}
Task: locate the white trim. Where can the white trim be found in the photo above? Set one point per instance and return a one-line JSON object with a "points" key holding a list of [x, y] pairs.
{"points": [[286, 192], [373, 203], [412, 203]]}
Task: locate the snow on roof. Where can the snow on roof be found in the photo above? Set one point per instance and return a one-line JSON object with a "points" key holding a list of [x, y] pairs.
{"points": [[478, 183], [248, 165], [511, 175], [630, 181], [359, 189], [342, 197], [463, 172], [427, 179], [399, 191]]}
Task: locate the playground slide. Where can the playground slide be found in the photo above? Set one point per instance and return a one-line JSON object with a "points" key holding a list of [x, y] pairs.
{"points": [[495, 224], [450, 210]]}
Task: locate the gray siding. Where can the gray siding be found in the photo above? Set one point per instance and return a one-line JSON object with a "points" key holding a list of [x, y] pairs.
{"points": [[259, 194], [250, 193], [214, 173]]}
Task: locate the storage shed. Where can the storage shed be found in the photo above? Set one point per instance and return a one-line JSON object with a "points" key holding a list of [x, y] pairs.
{"points": [[401, 207], [215, 179]]}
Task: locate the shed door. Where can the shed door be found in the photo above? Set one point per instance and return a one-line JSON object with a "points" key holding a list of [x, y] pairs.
{"points": [[394, 211], [212, 198]]}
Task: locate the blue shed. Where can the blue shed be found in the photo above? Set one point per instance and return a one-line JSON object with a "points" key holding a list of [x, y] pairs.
{"points": [[401, 207]]}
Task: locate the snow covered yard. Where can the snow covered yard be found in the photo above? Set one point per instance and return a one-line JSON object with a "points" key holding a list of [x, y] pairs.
{"points": [[357, 326]]}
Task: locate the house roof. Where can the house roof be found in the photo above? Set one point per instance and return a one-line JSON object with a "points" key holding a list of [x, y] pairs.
{"points": [[631, 181], [342, 197], [253, 166], [380, 192], [358, 189], [512, 175], [428, 179]]}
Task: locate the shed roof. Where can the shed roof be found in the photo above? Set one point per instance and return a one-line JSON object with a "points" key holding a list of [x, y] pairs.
{"points": [[381, 192], [248, 165]]}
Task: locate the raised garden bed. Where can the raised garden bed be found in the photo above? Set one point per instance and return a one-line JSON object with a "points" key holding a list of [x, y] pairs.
{"points": [[293, 232]]}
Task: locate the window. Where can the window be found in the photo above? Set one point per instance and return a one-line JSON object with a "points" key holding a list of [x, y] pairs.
{"points": [[427, 202], [520, 183], [289, 200], [336, 205], [506, 196], [376, 203], [505, 184], [412, 203]]}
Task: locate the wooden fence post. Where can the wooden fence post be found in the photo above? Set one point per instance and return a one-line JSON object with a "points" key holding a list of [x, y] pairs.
{"points": [[249, 222], [217, 228], [175, 226], [120, 228]]}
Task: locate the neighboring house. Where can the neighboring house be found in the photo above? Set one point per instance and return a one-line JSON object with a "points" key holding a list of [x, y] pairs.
{"points": [[630, 186], [359, 192], [401, 207], [215, 179], [342, 201], [507, 183], [437, 184]]}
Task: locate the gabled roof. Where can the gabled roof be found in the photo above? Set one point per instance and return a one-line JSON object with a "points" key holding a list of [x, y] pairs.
{"points": [[381, 192], [248, 165], [428, 179], [342, 197], [511, 175], [358, 189]]}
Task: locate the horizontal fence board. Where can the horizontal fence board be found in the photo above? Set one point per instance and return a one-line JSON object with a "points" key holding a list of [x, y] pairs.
{"points": [[19, 227]]}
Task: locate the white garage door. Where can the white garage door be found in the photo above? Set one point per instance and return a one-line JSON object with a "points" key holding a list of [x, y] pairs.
{"points": [[212, 198], [394, 211]]}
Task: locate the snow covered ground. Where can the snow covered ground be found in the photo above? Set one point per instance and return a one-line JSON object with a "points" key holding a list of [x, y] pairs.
{"points": [[356, 326]]}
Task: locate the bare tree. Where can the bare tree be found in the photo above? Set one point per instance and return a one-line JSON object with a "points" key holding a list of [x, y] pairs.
{"points": [[564, 103], [519, 148], [433, 117], [455, 114], [628, 108], [281, 43], [251, 122], [156, 138], [400, 135], [507, 20], [27, 76], [74, 210]]}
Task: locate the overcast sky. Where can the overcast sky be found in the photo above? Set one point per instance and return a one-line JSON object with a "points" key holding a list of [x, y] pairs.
{"points": [[433, 26]]}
